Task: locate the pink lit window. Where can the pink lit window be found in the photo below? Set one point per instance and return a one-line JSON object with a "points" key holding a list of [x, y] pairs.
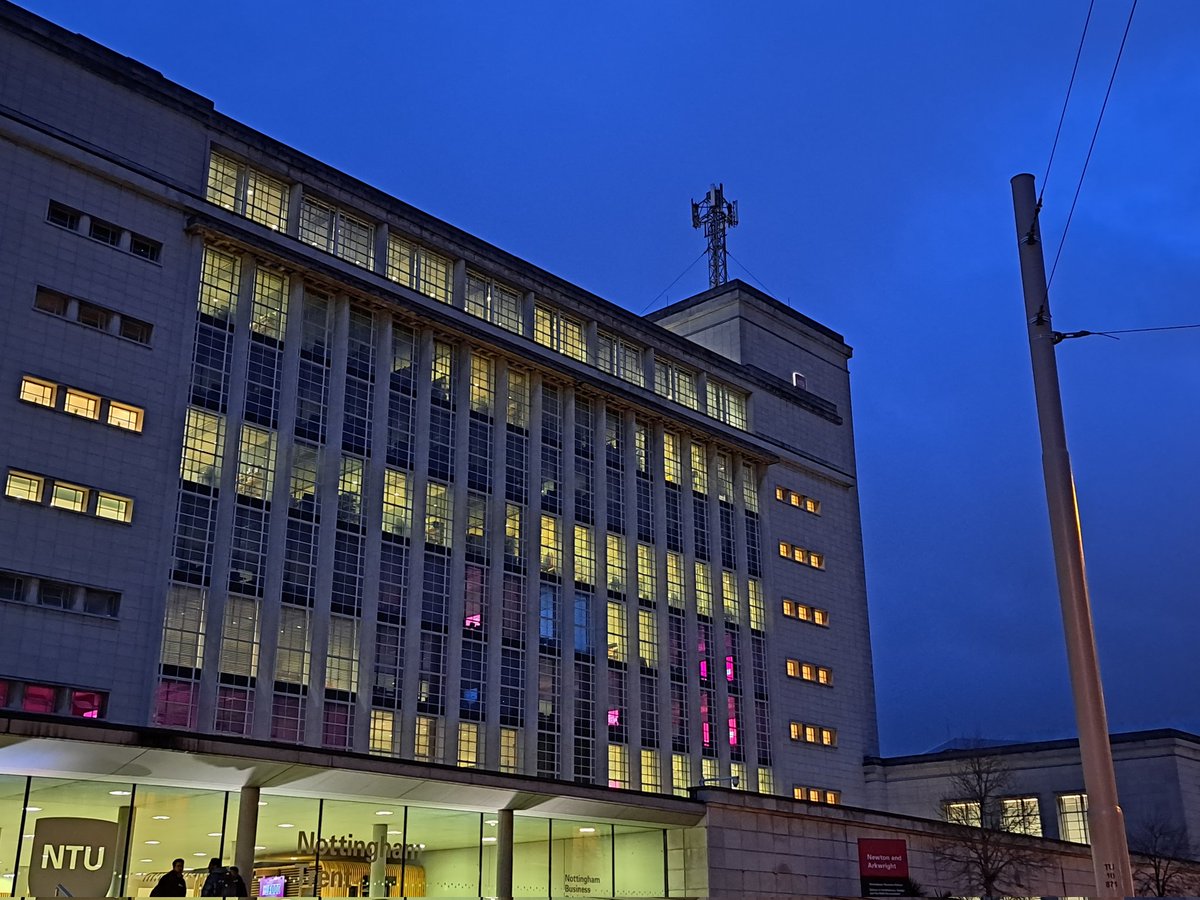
{"points": [[704, 669], [733, 722], [473, 621], [39, 698], [706, 730], [87, 704], [175, 704], [3, 693], [614, 717], [729, 668]]}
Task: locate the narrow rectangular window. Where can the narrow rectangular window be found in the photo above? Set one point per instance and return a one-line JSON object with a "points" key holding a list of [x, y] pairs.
{"points": [[63, 216], [69, 496], [123, 415], [35, 390], [80, 404], [113, 506], [22, 486]]}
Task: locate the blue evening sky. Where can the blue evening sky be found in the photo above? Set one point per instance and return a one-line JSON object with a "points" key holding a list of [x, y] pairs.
{"points": [[870, 147]]}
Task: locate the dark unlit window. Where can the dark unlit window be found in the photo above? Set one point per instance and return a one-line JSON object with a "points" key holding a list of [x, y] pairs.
{"points": [[63, 216], [145, 248]]}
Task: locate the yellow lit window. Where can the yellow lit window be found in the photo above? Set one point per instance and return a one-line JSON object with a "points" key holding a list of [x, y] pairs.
{"points": [[793, 668], [808, 672], [616, 563], [256, 463], [220, 276], [509, 750], [647, 575], [829, 737], [812, 506], [681, 773], [69, 496], [704, 594], [425, 738], [766, 780], [785, 549], [618, 766], [794, 498], [675, 579], [43, 393], [758, 613], [798, 554], [80, 404], [617, 631], [203, 443], [699, 469], [820, 617], [824, 675], [585, 556], [122, 415], [382, 725], [833, 796], [731, 600], [810, 734], [468, 744], [651, 777], [816, 560], [789, 609], [483, 384], [397, 508], [648, 637], [112, 506], [269, 309], [350, 490], [780, 493], [672, 464], [22, 486], [551, 546], [796, 731]]}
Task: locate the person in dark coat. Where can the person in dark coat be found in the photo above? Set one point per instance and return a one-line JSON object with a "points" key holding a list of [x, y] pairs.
{"points": [[214, 884], [172, 883], [235, 884]]}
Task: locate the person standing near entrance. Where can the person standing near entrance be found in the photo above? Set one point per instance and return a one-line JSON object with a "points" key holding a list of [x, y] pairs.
{"points": [[235, 884], [214, 884], [172, 883]]}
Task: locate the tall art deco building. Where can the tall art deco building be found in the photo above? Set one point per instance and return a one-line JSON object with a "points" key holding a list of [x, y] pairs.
{"points": [[289, 460]]}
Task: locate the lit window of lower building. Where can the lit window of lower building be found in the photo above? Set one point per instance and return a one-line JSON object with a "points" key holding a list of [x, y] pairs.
{"points": [[23, 486], [816, 794], [69, 496], [963, 812], [1072, 818], [1021, 815], [81, 404], [510, 759], [468, 744], [122, 415], [425, 739], [681, 773], [112, 506], [618, 766], [651, 779], [382, 724], [43, 393]]}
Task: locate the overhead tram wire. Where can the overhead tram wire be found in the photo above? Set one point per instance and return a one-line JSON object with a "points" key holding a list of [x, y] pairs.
{"points": [[1092, 146], [646, 308], [1067, 99], [1060, 336]]}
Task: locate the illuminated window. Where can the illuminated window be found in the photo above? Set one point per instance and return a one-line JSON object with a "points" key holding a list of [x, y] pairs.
{"points": [[551, 546], [647, 574], [651, 777], [618, 632], [468, 744], [418, 268], [616, 563], [1021, 815], [618, 766], [648, 637], [559, 332], [425, 739], [675, 579], [80, 404], [793, 668], [509, 750], [247, 192], [816, 795], [675, 383], [808, 504], [397, 507], [203, 443], [766, 780], [816, 560], [256, 463], [23, 486], [672, 464], [336, 231], [220, 277], [820, 617], [112, 506], [382, 727], [801, 555], [785, 549], [122, 415], [269, 305], [494, 302], [963, 812], [585, 556], [1072, 818], [699, 469], [69, 496], [704, 593], [43, 393], [681, 773], [813, 734], [758, 613]]}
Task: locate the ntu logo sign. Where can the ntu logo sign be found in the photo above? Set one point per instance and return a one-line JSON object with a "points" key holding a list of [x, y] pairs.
{"points": [[72, 854]]}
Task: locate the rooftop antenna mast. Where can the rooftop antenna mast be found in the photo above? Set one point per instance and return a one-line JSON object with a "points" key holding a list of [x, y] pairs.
{"points": [[716, 214]]}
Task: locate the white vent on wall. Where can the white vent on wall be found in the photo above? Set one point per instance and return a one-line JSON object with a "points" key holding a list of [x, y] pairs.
{"points": [[798, 380]]}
